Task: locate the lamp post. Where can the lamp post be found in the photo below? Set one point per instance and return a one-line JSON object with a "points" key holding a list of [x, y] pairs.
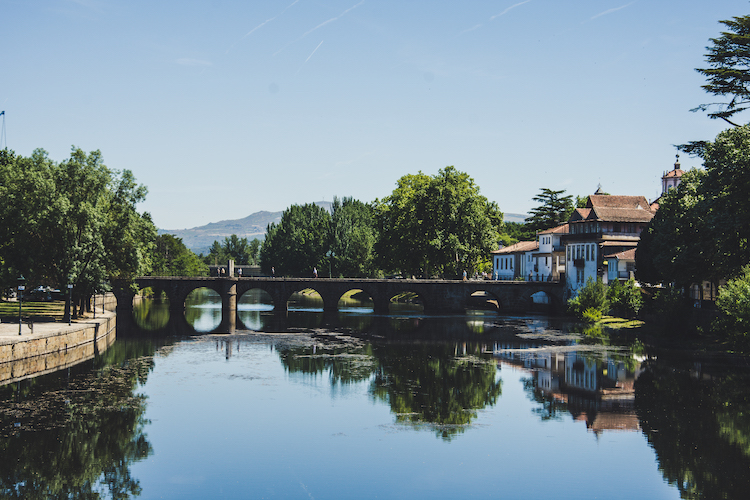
{"points": [[21, 288], [70, 299]]}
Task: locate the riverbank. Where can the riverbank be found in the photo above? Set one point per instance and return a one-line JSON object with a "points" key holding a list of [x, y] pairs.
{"points": [[50, 346]]}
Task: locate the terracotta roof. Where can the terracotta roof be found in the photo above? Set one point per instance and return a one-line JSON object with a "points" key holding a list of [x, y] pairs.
{"points": [[521, 246], [674, 173], [559, 229], [619, 208], [624, 255], [579, 214]]}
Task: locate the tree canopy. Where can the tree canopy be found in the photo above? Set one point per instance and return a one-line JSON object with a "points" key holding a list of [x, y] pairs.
{"points": [[728, 75], [298, 243], [701, 231], [172, 258], [233, 247], [439, 225], [555, 209], [76, 219]]}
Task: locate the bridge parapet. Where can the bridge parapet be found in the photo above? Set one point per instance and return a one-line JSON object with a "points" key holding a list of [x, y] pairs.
{"points": [[437, 296]]}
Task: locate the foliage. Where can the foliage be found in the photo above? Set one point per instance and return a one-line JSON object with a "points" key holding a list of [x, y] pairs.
{"points": [[298, 243], [438, 225], [729, 63], [234, 248], [172, 258], [593, 295], [734, 302], [591, 315], [72, 219], [554, 210], [625, 298], [702, 228], [516, 232], [353, 238]]}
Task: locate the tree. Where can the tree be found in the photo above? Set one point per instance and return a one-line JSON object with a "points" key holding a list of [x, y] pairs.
{"points": [[353, 238], [729, 61], [438, 225], [734, 302], [172, 258], [553, 211], [298, 243], [701, 231], [235, 248], [75, 220]]}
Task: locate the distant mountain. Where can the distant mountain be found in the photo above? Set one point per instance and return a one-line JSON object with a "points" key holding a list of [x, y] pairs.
{"points": [[199, 239], [520, 218]]}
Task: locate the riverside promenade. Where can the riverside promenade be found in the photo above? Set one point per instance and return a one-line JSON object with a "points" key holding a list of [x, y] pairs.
{"points": [[52, 346]]}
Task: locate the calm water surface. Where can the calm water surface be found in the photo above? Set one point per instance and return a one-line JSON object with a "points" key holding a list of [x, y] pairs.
{"points": [[361, 406]]}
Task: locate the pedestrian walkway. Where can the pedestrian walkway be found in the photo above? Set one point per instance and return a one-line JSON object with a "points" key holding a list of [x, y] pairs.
{"points": [[9, 331]]}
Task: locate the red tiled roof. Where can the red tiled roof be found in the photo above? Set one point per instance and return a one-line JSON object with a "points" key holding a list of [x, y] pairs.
{"points": [[624, 255], [520, 247], [619, 208], [674, 173], [559, 229]]}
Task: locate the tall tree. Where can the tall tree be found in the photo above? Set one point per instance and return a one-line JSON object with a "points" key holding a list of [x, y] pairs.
{"points": [[554, 210], [73, 220], [298, 243], [353, 236], [438, 225], [172, 258], [728, 59]]}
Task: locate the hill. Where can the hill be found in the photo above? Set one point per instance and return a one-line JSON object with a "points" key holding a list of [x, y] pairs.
{"points": [[199, 239]]}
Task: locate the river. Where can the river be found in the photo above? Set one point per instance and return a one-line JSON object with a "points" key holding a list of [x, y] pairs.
{"points": [[361, 406]]}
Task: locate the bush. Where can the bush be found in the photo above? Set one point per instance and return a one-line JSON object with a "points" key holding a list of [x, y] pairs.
{"points": [[592, 296], [734, 302], [591, 315], [625, 298]]}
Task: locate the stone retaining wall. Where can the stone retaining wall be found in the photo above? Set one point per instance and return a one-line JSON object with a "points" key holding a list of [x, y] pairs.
{"points": [[49, 352]]}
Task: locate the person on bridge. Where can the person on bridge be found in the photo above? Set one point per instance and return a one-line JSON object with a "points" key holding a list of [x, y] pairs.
{"points": [[315, 272]]}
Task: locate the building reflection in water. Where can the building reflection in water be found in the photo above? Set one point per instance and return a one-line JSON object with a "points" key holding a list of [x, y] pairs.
{"points": [[598, 389]]}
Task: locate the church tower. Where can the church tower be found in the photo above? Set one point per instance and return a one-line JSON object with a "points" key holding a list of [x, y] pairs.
{"points": [[671, 179]]}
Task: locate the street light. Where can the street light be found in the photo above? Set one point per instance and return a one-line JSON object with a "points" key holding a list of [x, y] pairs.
{"points": [[70, 299], [21, 288]]}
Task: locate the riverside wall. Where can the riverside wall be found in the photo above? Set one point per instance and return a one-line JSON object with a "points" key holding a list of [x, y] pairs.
{"points": [[57, 347]]}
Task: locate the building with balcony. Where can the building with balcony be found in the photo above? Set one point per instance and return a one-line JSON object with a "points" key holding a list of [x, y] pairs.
{"points": [[608, 226], [549, 261]]}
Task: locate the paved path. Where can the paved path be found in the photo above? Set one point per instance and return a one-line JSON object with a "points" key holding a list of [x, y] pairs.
{"points": [[9, 331]]}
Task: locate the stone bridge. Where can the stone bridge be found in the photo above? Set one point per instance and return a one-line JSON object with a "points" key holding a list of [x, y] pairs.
{"points": [[436, 296]]}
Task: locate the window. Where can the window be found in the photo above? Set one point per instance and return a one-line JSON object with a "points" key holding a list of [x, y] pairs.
{"points": [[587, 253]]}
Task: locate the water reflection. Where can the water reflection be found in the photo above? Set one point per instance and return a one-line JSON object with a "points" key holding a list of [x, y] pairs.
{"points": [[76, 433]]}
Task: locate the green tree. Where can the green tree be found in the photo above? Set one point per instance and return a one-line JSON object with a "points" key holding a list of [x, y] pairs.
{"points": [[734, 302], [591, 300], [172, 258], [436, 225], [702, 228], [353, 238], [72, 219], [728, 77], [233, 247], [554, 210], [298, 243]]}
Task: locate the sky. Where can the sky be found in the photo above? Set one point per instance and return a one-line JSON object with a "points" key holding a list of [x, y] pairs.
{"points": [[223, 108]]}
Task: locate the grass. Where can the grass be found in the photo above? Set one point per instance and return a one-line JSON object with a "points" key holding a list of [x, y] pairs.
{"points": [[54, 309], [615, 323]]}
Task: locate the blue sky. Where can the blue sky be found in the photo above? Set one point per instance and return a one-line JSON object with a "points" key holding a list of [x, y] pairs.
{"points": [[224, 108]]}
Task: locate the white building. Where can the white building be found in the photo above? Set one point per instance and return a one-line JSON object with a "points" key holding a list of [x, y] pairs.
{"points": [[514, 261], [607, 226]]}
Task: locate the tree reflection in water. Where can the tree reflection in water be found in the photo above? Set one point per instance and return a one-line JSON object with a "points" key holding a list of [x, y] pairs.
{"points": [[437, 385], [699, 426], [74, 434]]}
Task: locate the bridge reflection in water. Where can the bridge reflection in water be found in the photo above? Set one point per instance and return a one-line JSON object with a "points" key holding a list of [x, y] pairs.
{"points": [[436, 296]]}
